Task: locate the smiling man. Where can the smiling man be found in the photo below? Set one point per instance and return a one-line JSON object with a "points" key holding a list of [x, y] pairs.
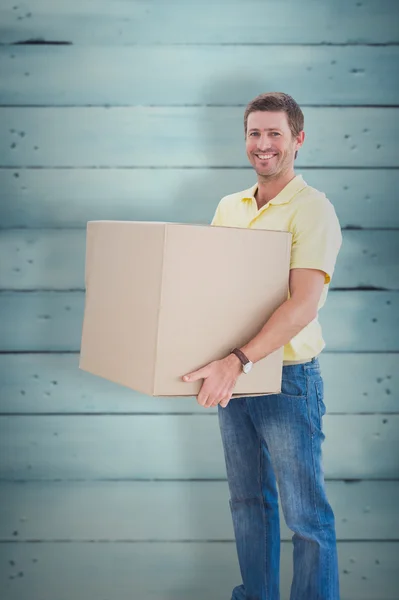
{"points": [[275, 440]]}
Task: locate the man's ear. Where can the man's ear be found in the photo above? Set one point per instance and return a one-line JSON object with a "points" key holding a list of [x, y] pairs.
{"points": [[300, 139]]}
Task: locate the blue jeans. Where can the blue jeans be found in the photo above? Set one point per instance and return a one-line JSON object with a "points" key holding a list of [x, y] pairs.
{"points": [[276, 440]]}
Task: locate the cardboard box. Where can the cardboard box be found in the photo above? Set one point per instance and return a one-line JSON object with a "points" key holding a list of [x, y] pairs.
{"points": [[164, 299]]}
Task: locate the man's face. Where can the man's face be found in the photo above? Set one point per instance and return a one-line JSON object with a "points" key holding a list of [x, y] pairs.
{"points": [[270, 145]]}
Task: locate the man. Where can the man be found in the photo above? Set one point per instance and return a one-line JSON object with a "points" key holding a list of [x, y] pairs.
{"points": [[276, 439]]}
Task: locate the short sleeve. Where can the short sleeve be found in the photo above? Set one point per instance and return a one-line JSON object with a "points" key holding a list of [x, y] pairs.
{"points": [[316, 238], [217, 217]]}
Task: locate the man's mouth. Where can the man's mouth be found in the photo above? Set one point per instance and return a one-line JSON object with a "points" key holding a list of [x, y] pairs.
{"points": [[265, 156]]}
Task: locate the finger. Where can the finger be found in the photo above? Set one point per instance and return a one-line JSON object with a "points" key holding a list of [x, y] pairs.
{"points": [[196, 375], [216, 402], [209, 402], [202, 399], [223, 403]]}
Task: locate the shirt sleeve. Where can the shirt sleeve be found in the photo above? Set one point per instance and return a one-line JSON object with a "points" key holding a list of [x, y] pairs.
{"points": [[316, 238], [217, 217]]}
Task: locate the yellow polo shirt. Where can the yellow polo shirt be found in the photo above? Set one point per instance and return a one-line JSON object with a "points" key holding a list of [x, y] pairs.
{"points": [[316, 240]]}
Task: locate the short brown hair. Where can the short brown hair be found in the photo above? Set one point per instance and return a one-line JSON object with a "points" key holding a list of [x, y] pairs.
{"points": [[277, 102]]}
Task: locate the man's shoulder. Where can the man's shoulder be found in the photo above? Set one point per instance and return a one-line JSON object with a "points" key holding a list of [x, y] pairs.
{"points": [[237, 196], [311, 208], [311, 193], [310, 197]]}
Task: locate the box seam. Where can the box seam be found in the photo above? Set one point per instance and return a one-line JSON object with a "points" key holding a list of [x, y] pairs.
{"points": [[155, 374]]}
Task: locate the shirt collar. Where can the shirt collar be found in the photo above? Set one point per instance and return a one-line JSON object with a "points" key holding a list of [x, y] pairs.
{"points": [[296, 185]]}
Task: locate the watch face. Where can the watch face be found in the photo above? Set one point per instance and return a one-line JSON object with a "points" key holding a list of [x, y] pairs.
{"points": [[247, 367]]}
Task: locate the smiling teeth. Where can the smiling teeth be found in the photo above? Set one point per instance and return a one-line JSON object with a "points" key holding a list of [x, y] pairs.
{"points": [[265, 156]]}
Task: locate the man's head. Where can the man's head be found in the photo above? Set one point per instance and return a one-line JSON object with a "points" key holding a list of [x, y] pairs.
{"points": [[273, 124]]}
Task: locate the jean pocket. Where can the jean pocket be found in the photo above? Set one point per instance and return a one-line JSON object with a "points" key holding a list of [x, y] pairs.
{"points": [[313, 370], [293, 387], [319, 385], [316, 406]]}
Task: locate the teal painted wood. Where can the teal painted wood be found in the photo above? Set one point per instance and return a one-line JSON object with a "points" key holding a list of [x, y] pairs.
{"points": [[254, 21], [55, 259], [172, 447], [80, 447], [181, 75], [178, 571], [52, 321], [53, 383], [71, 197], [186, 136], [197, 510], [368, 259]]}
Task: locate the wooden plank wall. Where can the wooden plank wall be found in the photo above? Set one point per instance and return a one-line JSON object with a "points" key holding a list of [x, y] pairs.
{"points": [[132, 109]]}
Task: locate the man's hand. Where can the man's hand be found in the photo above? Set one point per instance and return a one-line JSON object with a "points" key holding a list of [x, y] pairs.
{"points": [[219, 377]]}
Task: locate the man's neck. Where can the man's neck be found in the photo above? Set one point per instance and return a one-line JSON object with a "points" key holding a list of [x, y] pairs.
{"points": [[270, 188]]}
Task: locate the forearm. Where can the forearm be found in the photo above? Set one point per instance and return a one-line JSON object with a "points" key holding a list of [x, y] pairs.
{"points": [[284, 324]]}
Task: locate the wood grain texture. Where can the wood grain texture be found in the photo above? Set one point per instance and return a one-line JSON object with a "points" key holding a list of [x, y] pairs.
{"points": [[55, 260], [52, 321], [186, 136], [178, 571], [197, 75], [172, 447], [172, 511], [53, 383], [60, 198], [119, 22]]}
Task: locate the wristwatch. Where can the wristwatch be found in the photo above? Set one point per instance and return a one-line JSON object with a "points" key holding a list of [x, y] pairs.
{"points": [[246, 363]]}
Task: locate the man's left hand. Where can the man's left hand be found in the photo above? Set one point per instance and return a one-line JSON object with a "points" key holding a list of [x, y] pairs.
{"points": [[219, 377]]}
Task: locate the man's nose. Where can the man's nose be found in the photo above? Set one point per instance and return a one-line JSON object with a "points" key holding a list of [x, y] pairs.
{"points": [[263, 142]]}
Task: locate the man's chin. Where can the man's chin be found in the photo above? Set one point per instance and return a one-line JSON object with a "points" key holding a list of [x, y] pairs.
{"points": [[266, 171]]}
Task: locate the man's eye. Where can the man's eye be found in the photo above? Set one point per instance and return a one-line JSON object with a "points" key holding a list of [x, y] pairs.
{"points": [[275, 133], [253, 133]]}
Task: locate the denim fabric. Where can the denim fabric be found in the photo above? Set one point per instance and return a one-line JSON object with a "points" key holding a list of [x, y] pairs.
{"points": [[272, 442]]}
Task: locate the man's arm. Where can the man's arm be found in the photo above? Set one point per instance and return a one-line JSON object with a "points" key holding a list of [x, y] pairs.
{"points": [[306, 286], [220, 376]]}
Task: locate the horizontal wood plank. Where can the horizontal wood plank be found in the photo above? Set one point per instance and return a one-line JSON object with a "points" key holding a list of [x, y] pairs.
{"points": [[53, 383], [55, 260], [368, 259], [197, 510], [181, 75], [52, 321], [89, 22], [71, 197], [117, 571], [186, 137], [172, 447]]}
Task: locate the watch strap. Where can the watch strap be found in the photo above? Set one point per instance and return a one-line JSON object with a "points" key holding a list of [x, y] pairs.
{"points": [[241, 356]]}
